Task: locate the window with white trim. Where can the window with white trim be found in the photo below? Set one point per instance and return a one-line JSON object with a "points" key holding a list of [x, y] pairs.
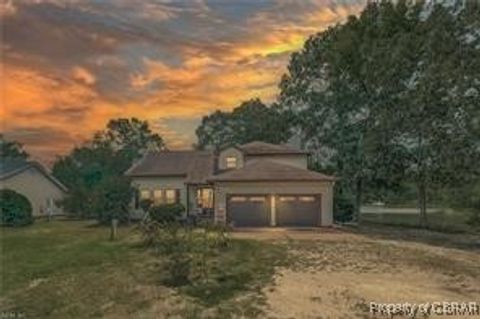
{"points": [[170, 196], [144, 194], [231, 162], [157, 197]]}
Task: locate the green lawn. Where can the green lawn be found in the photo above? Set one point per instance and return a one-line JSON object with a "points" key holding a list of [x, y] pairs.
{"points": [[70, 269], [440, 220]]}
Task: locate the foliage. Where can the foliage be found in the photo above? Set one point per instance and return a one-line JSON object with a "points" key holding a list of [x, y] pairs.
{"points": [[114, 196], [191, 253], [474, 219], [94, 173], [132, 137], [15, 209], [250, 121], [11, 149], [389, 98], [343, 206], [166, 213], [145, 204]]}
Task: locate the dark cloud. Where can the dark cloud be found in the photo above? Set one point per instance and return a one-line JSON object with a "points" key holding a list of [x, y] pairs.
{"points": [[44, 142], [77, 63]]}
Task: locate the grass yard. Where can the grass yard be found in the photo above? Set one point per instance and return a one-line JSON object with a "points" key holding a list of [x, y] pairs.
{"points": [[69, 269], [445, 220]]}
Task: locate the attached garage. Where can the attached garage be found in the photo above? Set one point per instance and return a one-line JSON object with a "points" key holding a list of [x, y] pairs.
{"points": [[248, 210], [298, 210], [264, 193]]}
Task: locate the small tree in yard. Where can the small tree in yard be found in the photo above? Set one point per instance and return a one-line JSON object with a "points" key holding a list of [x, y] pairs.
{"points": [[114, 197], [189, 250], [94, 172]]}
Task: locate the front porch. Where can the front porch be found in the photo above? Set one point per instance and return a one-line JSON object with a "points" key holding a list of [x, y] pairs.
{"points": [[200, 201]]}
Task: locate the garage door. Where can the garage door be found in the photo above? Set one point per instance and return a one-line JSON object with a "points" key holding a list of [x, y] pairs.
{"points": [[248, 210], [298, 210]]}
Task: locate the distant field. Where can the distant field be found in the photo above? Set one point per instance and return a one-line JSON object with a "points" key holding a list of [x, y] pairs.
{"points": [[438, 218]]}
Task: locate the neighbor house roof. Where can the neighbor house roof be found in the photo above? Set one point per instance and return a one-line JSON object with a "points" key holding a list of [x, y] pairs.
{"points": [[196, 166], [264, 170], [263, 148], [10, 167]]}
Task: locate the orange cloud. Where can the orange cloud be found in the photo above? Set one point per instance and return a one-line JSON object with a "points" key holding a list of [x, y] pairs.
{"points": [[83, 75], [52, 111]]}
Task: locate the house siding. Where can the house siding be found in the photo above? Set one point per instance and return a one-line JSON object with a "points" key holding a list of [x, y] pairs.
{"points": [[34, 185], [325, 189], [231, 151], [152, 183]]}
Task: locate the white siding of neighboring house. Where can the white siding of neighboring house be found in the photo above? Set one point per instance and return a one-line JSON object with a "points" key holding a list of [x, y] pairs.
{"points": [[152, 183], [231, 151], [272, 188], [34, 185], [295, 160]]}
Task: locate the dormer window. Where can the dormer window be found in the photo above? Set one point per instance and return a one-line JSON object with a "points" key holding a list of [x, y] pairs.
{"points": [[231, 162]]}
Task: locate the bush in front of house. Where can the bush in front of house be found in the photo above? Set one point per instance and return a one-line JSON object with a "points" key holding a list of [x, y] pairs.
{"points": [[474, 219], [343, 209], [166, 213], [192, 252], [15, 209]]}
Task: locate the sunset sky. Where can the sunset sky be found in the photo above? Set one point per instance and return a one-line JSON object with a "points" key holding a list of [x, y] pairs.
{"points": [[67, 66]]}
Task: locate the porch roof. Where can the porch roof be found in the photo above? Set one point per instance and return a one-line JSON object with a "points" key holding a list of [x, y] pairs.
{"points": [[195, 166]]}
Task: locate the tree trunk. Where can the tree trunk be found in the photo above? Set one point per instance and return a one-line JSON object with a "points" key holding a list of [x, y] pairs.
{"points": [[113, 229], [358, 199], [422, 203]]}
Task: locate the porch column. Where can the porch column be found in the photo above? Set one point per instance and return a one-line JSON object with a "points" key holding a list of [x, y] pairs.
{"points": [[273, 212]]}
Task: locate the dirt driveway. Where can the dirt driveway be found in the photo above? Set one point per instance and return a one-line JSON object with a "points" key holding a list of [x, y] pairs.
{"points": [[337, 274]]}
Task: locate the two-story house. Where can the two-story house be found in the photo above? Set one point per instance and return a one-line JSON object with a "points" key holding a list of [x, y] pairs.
{"points": [[252, 185]]}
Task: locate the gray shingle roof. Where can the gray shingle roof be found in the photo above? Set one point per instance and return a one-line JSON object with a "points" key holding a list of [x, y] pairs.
{"points": [[195, 166], [264, 170], [263, 148], [10, 167]]}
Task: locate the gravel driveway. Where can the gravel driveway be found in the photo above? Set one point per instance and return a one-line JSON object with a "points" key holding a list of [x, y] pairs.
{"points": [[336, 274]]}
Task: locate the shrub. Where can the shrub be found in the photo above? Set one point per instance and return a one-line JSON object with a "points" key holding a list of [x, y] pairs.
{"points": [[15, 209], [474, 219], [191, 251], [146, 204], [166, 213], [343, 209]]}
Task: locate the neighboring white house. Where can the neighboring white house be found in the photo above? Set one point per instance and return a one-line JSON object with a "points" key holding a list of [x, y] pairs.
{"points": [[252, 185], [33, 181]]}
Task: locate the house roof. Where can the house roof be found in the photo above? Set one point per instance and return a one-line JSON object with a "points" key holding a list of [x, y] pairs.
{"points": [[195, 166], [10, 167], [264, 170], [263, 148]]}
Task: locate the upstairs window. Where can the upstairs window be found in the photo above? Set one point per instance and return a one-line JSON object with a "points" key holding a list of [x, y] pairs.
{"points": [[231, 162]]}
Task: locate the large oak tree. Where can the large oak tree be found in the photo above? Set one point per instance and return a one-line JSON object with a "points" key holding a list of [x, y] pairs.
{"points": [[391, 96]]}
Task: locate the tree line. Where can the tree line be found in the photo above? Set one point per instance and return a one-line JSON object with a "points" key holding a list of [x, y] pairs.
{"points": [[388, 101]]}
